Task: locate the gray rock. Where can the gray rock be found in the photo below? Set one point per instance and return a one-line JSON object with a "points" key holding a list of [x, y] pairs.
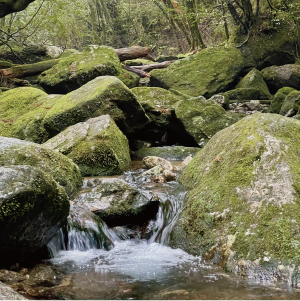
{"points": [[32, 209], [7, 293]]}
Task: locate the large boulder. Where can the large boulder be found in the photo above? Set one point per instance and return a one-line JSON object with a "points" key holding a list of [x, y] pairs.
{"points": [[119, 203], [76, 69], [32, 209], [14, 104], [159, 105], [203, 118], [255, 80], [97, 146], [279, 99], [278, 77], [101, 96], [242, 208], [206, 73], [63, 170]]}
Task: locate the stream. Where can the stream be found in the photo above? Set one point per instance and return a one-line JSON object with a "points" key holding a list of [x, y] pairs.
{"points": [[140, 268]]}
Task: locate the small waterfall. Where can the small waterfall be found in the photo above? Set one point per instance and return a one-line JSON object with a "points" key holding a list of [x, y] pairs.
{"points": [[86, 231]]}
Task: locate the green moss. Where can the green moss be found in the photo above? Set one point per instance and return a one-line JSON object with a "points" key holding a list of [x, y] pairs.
{"points": [[14, 103], [227, 195], [291, 102], [203, 118], [138, 62], [63, 170], [77, 69], [206, 73], [103, 95], [255, 80], [279, 98], [244, 94]]}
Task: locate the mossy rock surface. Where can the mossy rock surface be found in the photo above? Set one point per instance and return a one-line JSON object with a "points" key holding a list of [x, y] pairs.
{"points": [[101, 96], [290, 104], [278, 77], [274, 45], [206, 73], [279, 99], [63, 170], [5, 64], [243, 199], [118, 203], [14, 104], [241, 94], [171, 153], [32, 209], [76, 69], [97, 146], [203, 118], [138, 62], [254, 79]]}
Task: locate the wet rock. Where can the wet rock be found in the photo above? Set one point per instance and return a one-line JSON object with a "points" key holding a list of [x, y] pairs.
{"points": [[97, 146], [29, 200], [153, 171], [105, 95], [185, 162], [91, 226], [206, 73], [248, 175], [7, 293], [78, 68], [278, 77], [118, 203], [9, 277], [153, 161], [42, 273], [203, 118], [63, 170], [158, 179], [170, 153], [124, 233], [169, 176]]}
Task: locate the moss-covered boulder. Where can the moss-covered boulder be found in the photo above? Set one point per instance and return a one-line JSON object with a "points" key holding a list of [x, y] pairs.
{"points": [[243, 201], [206, 73], [97, 146], [203, 118], [118, 203], [255, 80], [241, 94], [76, 69], [32, 209], [101, 96], [279, 99], [291, 103], [159, 105], [278, 77], [63, 170], [138, 62], [171, 153], [14, 104]]}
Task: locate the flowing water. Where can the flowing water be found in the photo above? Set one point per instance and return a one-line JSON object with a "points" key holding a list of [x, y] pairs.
{"points": [[147, 268]]}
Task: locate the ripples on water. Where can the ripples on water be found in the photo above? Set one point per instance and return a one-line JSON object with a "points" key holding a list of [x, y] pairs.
{"points": [[140, 269]]}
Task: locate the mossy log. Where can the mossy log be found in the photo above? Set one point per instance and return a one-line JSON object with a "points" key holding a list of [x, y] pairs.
{"points": [[132, 53], [21, 71], [154, 66], [140, 73]]}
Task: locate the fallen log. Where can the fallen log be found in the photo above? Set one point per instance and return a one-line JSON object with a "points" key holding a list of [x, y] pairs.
{"points": [[154, 66], [140, 73], [132, 53], [20, 71]]}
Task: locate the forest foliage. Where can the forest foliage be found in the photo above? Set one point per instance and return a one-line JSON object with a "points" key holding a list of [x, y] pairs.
{"points": [[167, 26]]}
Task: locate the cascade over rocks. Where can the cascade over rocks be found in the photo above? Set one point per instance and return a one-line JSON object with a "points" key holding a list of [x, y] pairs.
{"points": [[97, 146], [118, 203], [242, 207], [32, 209], [101, 96], [76, 69], [206, 73], [278, 77], [203, 118], [63, 170]]}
